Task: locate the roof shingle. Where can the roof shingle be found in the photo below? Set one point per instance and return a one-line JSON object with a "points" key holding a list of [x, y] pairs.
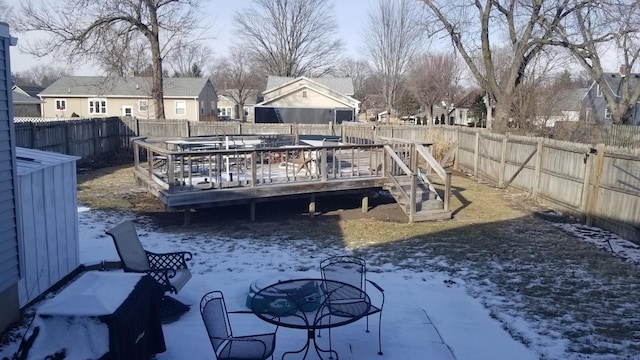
{"points": [[122, 86]]}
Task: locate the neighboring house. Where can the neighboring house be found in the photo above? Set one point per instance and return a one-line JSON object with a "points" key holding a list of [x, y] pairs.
{"points": [[460, 114], [25, 105], [595, 107], [9, 264], [96, 96], [306, 100], [28, 90], [567, 107], [228, 109]]}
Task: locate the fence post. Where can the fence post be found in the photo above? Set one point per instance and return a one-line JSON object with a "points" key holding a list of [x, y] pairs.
{"points": [[67, 140], [96, 138], [187, 128], [595, 187], [536, 177], [503, 162], [476, 155], [456, 161], [33, 135], [584, 204]]}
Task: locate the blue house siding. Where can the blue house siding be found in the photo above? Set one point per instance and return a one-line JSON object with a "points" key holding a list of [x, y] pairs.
{"points": [[9, 267], [597, 105]]}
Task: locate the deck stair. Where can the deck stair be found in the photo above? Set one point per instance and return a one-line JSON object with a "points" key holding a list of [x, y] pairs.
{"points": [[429, 205]]}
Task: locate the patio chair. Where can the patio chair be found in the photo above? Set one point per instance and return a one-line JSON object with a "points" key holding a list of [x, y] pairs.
{"points": [[353, 271], [168, 269], [225, 345]]}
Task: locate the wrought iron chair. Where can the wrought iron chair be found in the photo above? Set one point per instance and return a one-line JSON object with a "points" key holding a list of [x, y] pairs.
{"points": [[353, 271], [225, 345], [169, 269]]}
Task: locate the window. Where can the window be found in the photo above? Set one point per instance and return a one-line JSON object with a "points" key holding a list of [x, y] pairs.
{"points": [[61, 104], [97, 106], [607, 114], [304, 93], [143, 105], [201, 107], [598, 91], [127, 111], [224, 111], [180, 107]]}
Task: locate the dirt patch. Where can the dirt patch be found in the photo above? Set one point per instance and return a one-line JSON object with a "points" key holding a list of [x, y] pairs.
{"points": [[114, 188]]}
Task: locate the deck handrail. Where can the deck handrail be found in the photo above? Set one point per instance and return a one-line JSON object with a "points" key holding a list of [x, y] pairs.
{"points": [[411, 197], [178, 165], [444, 174]]}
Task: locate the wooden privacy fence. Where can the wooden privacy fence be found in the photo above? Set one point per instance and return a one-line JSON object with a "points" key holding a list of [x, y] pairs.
{"points": [[90, 139], [599, 184]]}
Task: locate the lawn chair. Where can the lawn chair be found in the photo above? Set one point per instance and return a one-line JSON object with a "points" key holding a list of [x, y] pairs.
{"points": [[353, 271], [169, 269], [225, 345]]}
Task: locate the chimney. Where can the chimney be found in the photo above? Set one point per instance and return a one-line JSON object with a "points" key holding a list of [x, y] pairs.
{"points": [[624, 71]]}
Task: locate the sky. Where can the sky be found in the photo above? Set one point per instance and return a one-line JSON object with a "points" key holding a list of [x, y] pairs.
{"points": [[350, 16], [425, 312]]}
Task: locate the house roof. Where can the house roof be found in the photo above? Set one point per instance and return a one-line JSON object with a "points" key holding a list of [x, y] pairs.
{"points": [[70, 86], [469, 98], [614, 80], [22, 99], [28, 90], [571, 99], [230, 93], [343, 85]]}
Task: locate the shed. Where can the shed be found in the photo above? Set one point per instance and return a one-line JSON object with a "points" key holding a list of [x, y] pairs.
{"points": [[48, 221]]}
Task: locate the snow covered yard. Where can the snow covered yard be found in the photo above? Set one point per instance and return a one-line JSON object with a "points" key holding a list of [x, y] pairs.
{"points": [[500, 285], [447, 298]]}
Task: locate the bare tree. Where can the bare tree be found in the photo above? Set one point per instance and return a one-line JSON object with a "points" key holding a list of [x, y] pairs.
{"points": [[289, 37], [433, 78], [83, 29], [597, 30], [40, 75], [392, 38], [190, 60], [126, 58], [5, 11], [358, 70], [237, 79], [480, 27]]}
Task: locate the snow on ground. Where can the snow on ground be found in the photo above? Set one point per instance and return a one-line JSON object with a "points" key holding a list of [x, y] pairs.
{"points": [[426, 314]]}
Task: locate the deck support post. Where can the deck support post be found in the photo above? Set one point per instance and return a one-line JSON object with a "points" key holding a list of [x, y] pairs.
{"points": [[187, 216], [252, 210], [312, 206], [365, 204]]}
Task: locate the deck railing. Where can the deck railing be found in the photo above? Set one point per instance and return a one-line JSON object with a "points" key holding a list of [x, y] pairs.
{"points": [[208, 167]]}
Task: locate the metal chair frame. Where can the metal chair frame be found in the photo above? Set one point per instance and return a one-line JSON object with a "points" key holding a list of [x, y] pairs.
{"points": [[226, 346], [354, 265]]}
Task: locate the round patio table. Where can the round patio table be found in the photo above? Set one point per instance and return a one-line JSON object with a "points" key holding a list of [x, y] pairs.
{"points": [[310, 304]]}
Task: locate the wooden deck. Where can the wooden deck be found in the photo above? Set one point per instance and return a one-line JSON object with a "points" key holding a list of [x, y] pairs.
{"points": [[207, 173]]}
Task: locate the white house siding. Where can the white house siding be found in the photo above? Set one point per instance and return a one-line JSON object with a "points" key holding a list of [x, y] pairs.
{"points": [[116, 106], [313, 99], [9, 267], [196, 105]]}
